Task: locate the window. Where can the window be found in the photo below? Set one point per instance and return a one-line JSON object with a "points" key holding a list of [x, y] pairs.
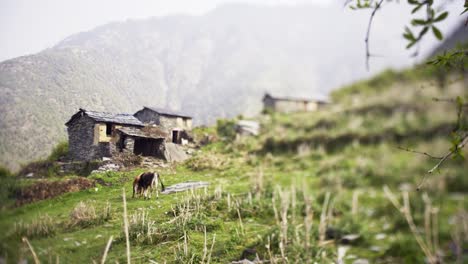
{"points": [[108, 129]]}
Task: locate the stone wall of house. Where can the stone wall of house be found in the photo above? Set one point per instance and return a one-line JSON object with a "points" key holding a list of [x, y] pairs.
{"points": [[171, 122], [81, 139], [129, 144], [268, 103]]}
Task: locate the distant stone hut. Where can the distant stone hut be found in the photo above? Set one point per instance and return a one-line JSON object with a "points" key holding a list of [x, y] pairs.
{"points": [[289, 104], [93, 135], [176, 124]]}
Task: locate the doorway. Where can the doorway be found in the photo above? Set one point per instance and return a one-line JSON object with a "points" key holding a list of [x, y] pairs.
{"points": [[176, 136]]}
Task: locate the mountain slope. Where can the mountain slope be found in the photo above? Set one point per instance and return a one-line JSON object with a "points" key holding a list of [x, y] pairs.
{"points": [[211, 66]]}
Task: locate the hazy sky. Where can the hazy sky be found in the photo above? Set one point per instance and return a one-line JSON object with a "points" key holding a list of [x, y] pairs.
{"points": [[29, 26]]}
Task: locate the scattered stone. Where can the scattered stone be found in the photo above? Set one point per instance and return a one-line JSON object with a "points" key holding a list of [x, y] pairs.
{"points": [[341, 254], [30, 175], [348, 239], [107, 167], [380, 236], [98, 236], [361, 261], [183, 186], [77, 243], [247, 128], [386, 226], [375, 248]]}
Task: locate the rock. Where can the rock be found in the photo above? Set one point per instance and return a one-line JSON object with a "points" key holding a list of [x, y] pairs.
{"points": [[348, 239], [341, 254], [375, 248], [30, 175], [175, 153], [183, 186], [248, 253], [332, 233], [107, 167], [380, 236], [361, 261], [247, 127]]}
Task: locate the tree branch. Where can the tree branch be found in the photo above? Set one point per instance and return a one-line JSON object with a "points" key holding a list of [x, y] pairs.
{"points": [[447, 100], [368, 55], [462, 144], [419, 152]]}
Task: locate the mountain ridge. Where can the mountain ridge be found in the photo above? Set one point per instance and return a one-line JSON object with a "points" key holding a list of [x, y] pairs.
{"points": [[216, 65]]}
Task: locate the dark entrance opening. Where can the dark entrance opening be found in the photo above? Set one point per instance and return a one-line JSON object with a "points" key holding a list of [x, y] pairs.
{"points": [[176, 138], [148, 147]]}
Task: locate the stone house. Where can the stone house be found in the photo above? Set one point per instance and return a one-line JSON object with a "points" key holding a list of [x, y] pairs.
{"points": [[176, 124], [93, 135], [288, 104]]}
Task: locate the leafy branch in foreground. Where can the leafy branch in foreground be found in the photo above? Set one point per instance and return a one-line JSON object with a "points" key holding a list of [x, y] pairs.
{"points": [[459, 138], [419, 26]]}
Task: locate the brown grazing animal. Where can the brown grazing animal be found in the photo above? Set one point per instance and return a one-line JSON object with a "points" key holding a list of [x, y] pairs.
{"points": [[147, 181]]}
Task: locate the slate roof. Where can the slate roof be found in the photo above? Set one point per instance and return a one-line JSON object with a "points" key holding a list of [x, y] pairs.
{"points": [[167, 112], [123, 119], [145, 132]]}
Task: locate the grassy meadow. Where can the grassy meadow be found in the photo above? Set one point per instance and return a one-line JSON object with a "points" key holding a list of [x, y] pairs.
{"points": [[324, 187]]}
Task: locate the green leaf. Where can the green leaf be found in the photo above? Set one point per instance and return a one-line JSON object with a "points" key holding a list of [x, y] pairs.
{"points": [[464, 11], [419, 22], [437, 33], [416, 9], [413, 2], [411, 44], [441, 17]]}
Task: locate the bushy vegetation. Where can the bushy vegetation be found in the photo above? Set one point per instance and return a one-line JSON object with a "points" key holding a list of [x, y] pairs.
{"points": [[59, 152], [226, 129]]}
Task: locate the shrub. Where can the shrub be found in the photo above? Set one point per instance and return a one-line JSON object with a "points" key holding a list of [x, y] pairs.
{"points": [[9, 186], [4, 172], [144, 230], [84, 214], [59, 152], [40, 168], [43, 226], [226, 128], [47, 189]]}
